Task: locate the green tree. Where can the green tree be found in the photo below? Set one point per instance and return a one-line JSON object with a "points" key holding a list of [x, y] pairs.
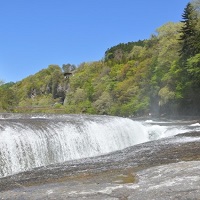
{"points": [[68, 67], [193, 68], [8, 98], [189, 34]]}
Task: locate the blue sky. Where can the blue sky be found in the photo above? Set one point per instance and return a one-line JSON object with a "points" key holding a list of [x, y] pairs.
{"points": [[37, 33]]}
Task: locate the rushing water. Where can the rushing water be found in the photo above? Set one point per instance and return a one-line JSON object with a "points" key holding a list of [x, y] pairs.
{"points": [[29, 141]]}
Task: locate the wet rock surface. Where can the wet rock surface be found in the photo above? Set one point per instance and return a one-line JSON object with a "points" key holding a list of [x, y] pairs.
{"points": [[162, 169]]}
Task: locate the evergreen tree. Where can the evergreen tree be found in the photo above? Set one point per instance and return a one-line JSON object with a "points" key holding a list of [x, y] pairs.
{"points": [[189, 33]]}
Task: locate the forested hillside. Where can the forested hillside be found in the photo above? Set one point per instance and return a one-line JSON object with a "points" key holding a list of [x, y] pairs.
{"points": [[159, 75]]}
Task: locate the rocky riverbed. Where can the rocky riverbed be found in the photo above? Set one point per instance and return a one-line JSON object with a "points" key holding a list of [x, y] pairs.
{"points": [[164, 169]]}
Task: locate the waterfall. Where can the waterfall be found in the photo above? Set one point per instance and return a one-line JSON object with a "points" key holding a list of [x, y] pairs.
{"points": [[30, 141], [27, 141]]}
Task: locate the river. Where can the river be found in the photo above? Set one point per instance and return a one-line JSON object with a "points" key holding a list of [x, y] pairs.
{"points": [[96, 157]]}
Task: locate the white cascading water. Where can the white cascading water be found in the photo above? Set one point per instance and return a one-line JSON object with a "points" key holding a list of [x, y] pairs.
{"points": [[27, 142]]}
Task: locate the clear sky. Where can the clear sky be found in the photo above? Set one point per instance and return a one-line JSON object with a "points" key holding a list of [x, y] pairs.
{"points": [[37, 33]]}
